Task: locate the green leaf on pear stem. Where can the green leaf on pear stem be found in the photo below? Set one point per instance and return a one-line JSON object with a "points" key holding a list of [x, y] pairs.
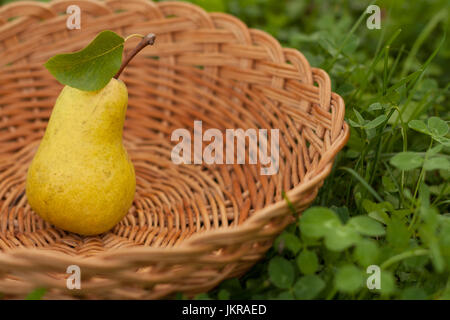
{"points": [[91, 68]]}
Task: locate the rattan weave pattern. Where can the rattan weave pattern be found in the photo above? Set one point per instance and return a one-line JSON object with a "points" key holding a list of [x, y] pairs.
{"points": [[190, 226]]}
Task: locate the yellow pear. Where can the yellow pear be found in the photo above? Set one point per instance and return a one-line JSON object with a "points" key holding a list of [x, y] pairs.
{"points": [[81, 179]]}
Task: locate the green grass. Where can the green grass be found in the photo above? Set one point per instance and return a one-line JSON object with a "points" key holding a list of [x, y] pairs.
{"points": [[386, 201]]}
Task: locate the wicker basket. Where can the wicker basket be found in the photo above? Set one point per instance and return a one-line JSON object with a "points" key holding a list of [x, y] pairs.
{"points": [[191, 226]]}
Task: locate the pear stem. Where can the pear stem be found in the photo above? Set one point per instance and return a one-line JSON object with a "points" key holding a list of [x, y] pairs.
{"points": [[134, 35], [147, 40]]}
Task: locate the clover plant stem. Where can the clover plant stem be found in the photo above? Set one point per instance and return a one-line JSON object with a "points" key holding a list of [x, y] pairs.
{"points": [[441, 193], [420, 180], [404, 255], [147, 40], [379, 146], [332, 293]]}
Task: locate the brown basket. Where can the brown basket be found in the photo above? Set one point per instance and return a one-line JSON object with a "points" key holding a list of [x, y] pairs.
{"points": [[191, 226]]}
